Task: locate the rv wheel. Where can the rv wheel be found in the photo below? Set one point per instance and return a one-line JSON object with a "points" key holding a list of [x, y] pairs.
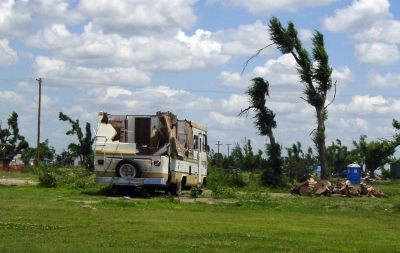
{"points": [[128, 169]]}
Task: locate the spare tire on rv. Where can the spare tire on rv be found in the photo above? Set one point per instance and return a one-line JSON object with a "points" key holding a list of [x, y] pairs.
{"points": [[128, 169]]}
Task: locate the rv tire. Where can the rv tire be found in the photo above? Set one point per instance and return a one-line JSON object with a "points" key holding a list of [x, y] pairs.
{"points": [[128, 169]]}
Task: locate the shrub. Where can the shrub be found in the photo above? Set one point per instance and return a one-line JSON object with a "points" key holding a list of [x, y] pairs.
{"points": [[385, 173], [47, 176], [194, 192], [76, 178], [220, 192], [219, 177]]}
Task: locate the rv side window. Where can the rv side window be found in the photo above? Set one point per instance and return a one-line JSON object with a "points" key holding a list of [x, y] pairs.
{"points": [[196, 142], [204, 143]]}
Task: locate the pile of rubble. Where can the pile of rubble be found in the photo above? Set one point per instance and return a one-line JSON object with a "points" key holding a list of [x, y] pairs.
{"points": [[341, 189]]}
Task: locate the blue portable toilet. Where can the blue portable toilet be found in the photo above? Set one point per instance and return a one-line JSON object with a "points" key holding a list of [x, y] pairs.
{"points": [[354, 173], [318, 170]]}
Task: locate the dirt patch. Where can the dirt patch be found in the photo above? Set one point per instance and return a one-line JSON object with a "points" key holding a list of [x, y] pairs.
{"points": [[16, 182]]}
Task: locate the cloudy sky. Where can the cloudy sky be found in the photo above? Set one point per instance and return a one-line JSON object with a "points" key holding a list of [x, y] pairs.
{"points": [[186, 56]]}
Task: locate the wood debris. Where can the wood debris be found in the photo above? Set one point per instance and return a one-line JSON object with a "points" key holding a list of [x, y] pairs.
{"points": [[341, 189]]}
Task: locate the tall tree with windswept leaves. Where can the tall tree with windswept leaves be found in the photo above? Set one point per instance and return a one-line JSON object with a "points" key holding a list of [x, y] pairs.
{"points": [[84, 148], [315, 73], [265, 122], [265, 117]]}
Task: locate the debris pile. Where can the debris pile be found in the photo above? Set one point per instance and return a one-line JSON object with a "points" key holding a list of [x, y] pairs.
{"points": [[341, 189]]}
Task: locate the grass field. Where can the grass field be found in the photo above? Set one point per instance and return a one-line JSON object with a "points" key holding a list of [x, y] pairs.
{"points": [[34, 219]]}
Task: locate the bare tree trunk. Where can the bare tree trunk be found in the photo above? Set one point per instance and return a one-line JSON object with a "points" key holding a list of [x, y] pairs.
{"points": [[320, 141], [271, 135]]}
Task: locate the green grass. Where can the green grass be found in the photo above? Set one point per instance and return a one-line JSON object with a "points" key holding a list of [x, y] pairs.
{"points": [[34, 219], [18, 175]]}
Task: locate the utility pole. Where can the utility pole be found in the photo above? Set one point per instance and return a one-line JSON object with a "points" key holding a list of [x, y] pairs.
{"points": [[218, 146], [228, 148], [38, 128], [218, 151]]}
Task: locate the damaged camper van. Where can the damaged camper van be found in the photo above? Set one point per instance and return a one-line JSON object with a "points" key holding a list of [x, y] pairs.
{"points": [[150, 152]]}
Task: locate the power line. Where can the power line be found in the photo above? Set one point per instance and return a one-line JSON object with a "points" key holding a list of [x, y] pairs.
{"points": [[272, 93]]}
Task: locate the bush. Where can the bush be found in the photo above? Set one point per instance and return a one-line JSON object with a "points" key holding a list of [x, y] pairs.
{"points": [[194, 192], [219, 177], [385, 173], [47, 176], [76, 178], [29, 169], [219, 192]]}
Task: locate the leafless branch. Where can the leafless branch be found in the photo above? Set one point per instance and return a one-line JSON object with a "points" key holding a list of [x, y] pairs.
{"points": [[334, 96], [255, 55], [312, 132], [245, 111], [305, 100]]}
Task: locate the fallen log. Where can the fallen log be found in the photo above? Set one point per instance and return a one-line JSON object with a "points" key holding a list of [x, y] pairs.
{"points": [[341, 189]]}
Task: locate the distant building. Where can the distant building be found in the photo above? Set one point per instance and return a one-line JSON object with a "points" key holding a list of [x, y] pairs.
{"points": [[17, 160], [77, 161]]}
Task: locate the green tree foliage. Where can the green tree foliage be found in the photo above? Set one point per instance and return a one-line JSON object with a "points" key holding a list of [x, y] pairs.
{"points": [[84, 147], [396, 137], [13, 142], [315, 74], [299, 165], [264, 118], [264, 123], [339, 157], [375, 153], [250, 161], [240, 158], [65, 158], [216, 159], [358, 153], [237, 155], [45, 151], [271, 174]]}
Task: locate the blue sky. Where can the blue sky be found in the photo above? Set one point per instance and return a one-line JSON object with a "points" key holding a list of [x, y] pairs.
{"points": [[186, 56]]}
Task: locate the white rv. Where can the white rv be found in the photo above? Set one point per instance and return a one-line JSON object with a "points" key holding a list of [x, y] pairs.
{"points": [[150, 151]]}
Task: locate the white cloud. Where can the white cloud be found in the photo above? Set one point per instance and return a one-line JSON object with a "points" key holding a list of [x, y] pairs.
{"points": [[46, 101], [94, 49], [376, 53], [55, 36], [200, 51], [60, 71], [386, 81], [279, 71], [342, 76], [356, 125], [227, 78], [385, 31], [11, 98], [225, 122], [78, 112], [146, 100], [263, 7], [8, 56], [246, 39], [366, 106], [305, 34], [234, 104], [276, 72], [361, 14], [19, 17], [113, 92], [139, 16]]}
